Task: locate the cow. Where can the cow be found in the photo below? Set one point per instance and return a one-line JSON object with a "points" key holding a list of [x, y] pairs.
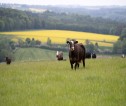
{"points": [[76, 53], [93, 55], [59, 55], [8, 60], [123, 55], [88, 55]]}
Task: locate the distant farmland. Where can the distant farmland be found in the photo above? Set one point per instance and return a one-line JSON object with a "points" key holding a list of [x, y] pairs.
{"points": [[60, 36]]}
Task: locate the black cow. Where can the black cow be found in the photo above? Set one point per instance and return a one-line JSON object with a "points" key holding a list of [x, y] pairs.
{"points": [[8, 60], [93, 55], [88, 55], [123, 55], [76, 53]]}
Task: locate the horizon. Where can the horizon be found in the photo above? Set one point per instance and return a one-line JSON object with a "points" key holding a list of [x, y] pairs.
{"points": [[66, 3], [63, 5]]}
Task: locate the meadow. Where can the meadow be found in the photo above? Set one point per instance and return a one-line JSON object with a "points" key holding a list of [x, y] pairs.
{"points": [[36, 54], [60, 36], [52, 83]]}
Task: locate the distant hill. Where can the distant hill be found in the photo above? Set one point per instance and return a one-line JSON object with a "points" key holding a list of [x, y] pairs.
{"points": [[117, 13], [13, 19]]}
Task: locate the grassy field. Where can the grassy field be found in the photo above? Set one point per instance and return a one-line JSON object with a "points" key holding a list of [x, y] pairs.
{"points": [[35, 54], [53, 83], [60, 36]]}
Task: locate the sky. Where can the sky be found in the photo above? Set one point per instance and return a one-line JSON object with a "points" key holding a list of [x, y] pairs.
{"points": [[68, 2]]}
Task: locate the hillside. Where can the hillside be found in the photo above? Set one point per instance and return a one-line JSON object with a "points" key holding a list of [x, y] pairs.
{"points": [[35, 54], [12, 19], [117, 13]]}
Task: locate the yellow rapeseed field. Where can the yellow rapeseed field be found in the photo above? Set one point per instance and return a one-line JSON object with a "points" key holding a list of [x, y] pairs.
{"points": [[60, 36]]}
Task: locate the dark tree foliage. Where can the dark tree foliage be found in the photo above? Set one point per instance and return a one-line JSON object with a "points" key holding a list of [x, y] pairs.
{"points": [[6, 49], [49, 42], [123, 34], [11, 19], [120, 45]]}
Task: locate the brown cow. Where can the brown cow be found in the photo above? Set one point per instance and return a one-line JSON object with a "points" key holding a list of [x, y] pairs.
{"points": [[59, 55], [76, 53], [8, 60]]}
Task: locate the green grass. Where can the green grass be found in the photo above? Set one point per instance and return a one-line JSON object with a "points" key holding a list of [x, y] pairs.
{"points": [[35, 54], [53, 83]]}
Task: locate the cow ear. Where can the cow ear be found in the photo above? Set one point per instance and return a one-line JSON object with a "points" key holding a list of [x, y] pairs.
{"points": [[76, 41], [67, 42]]}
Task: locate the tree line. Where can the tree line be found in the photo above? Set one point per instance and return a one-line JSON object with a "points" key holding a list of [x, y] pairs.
{"points": [[7, 48], [11, 19], [120, 45]]}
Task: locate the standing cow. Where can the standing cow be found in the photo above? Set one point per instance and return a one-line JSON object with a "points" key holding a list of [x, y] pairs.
{"points": [[76, 53], [93, 55], [8, 60], [59, 55], [88, 55]]}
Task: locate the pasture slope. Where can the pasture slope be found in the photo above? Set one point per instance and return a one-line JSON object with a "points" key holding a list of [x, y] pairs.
{"points": [[60, 36], [53, 83], [35, 54]]}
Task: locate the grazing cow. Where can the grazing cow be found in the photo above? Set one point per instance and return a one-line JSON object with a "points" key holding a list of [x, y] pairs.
{"points": [[93, 55], [76, 53], [88, 55], [123, 55], [59, 55], [8, 60]]}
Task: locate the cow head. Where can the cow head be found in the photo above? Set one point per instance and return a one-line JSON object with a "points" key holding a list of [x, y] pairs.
{"points": [[71, 44]]}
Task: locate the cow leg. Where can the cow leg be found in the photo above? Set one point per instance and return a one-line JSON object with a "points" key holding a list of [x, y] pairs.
{"points": [[71, 65], [76, 65], [83, 62]]}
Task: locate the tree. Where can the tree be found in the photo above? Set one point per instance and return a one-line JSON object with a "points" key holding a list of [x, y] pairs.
{"points": [[11, 43], [33, 42], [5, 49], [87, 42], [120, 45], [96, 45], [20, 42], [123, 34], [124, 46], [117, 47], [28, 41], [2, 25], [49, 42], [38, 42], [112, 31], [90, 47]]}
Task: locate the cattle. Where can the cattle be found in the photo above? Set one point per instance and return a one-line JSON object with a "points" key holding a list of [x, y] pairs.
{"points": [[76, 53], [59, 55], [8, 60], [88, 55], [93, 55], [123, 55]]}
